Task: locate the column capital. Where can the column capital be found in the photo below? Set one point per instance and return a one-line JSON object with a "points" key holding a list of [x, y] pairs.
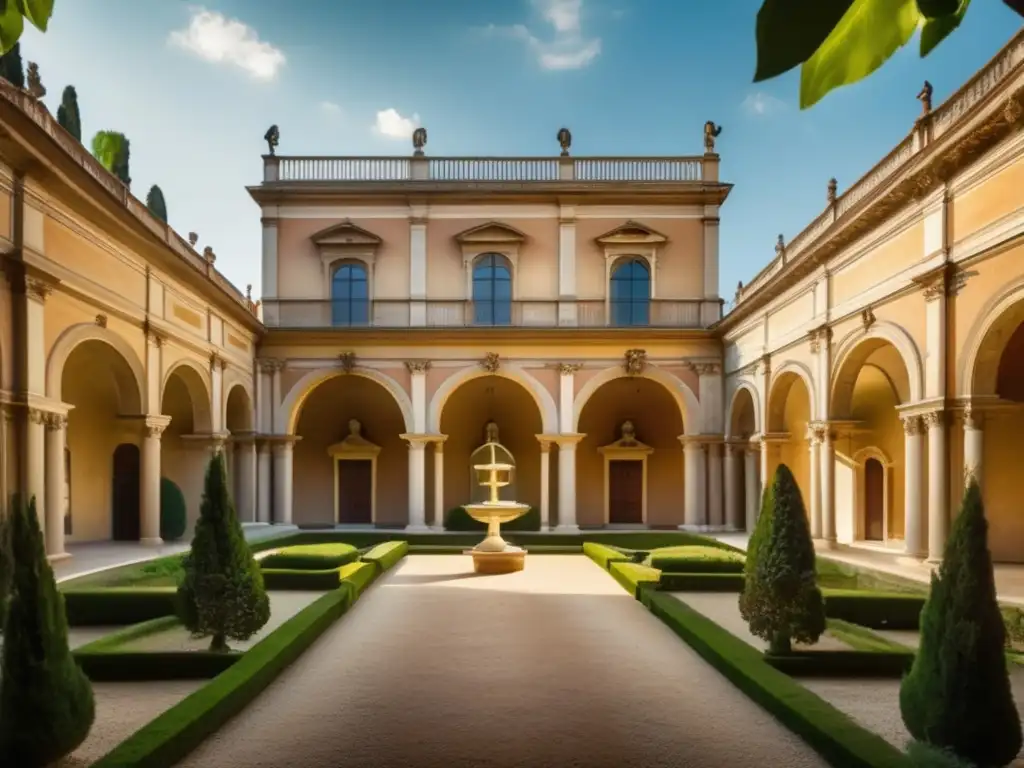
{"points": [[153, 426], [567, 440], [55, 422], [568, 369], [419, 441], [38, 289], [216, 361], [417, 367], [270, 364], [706, 369], [912, 425], [243, 437], [934, 419], [820, 338]]}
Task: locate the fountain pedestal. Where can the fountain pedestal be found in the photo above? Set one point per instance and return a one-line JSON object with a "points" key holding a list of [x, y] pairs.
{"points": [[494, 555]]}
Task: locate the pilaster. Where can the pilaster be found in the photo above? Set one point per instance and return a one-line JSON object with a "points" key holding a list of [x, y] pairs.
{"points": [[567, 307], [418, 266], [418, 384], [269, 270]]}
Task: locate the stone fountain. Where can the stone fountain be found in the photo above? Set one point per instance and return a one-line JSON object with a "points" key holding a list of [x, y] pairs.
{"points": [[495, 555]]}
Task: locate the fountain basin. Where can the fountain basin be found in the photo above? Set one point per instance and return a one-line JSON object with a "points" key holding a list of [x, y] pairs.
{"points": [[494, 555]]}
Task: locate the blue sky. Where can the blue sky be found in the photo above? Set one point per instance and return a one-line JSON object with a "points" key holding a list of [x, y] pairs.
{"points": [[194, 88]]}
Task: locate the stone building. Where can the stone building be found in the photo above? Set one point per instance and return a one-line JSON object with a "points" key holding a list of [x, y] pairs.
{"points": [[570, 302]]}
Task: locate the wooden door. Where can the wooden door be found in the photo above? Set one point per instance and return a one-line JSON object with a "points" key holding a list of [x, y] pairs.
{"points": [[874, 500], [355, 492], [125, 493], [625, 492]]}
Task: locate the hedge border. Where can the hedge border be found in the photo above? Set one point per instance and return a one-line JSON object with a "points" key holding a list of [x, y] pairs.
{"points": [[634, 577], [153, 666], [120, 637], [856, 664], [115, 606], [290, 579], [875, 610], [826, 729], [288, 559], [701, 582], [179, 730]]}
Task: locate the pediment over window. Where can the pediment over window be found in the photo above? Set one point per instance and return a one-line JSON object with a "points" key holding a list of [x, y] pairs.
{"points": [[491, 233], [345, 234], [631, 233]]}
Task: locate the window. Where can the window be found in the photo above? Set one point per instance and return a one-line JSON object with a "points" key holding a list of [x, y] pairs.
{"points": [[350, 297], [492, 290], [631, 293]]}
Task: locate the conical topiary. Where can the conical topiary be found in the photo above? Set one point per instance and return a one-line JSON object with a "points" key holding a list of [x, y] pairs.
{"points": [[957, 695], [781, 601], [222, 594], [46, 702]]}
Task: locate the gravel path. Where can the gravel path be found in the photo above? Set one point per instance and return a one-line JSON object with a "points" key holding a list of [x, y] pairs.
{"points": [[553, 666]]}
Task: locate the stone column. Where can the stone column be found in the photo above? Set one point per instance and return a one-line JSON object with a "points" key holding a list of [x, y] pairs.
{"points": [[815, 435], [34, 466], [149, 480], [283, 481], [693, 486], [545, 484], [56, 440], [264, 502], [913, 448], [716, 519], [417, 483], [439, 509], [418, 387], [973, 443], [753, 487], [244, 470], [567, 483], [827, 462], [733, 514], [217, 366], [938, 504], [275, 397]]}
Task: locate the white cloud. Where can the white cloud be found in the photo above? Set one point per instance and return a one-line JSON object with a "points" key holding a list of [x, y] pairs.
{"points": [[330, 108], [760, 103], [214, 37], [568, 49], [392, 125]]}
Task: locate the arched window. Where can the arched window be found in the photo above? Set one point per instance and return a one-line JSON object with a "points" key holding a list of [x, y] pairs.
{"points": [[631, 293], [350, 297], [492, 290]]}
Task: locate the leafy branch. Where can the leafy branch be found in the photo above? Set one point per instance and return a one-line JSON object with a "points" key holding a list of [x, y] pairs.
{"points": [[13, 14]]}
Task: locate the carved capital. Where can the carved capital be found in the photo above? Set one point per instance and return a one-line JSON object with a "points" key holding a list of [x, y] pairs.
{"points": [[491, 362], [707, 369], [634, 361], [973, 417], [154, 426], [269, 364], [36, 416], [935, 290], [417, 367], [818, 432], [37, 289], [216, 361], [820, 339], [912, 425], [934, 419], [568, 369]]}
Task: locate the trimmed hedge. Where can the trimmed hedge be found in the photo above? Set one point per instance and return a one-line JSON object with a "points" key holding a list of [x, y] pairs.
{"points": [[834, 735], [853, 663], [603, 555], [114, 606], [311, 557], [174, 734], [119, 637], [696, 559], [137, 666], [385, 556], [877, 610], [863, 639], [303, 580], [633, 576], [701, 582], [358, 576], [458, 519]]}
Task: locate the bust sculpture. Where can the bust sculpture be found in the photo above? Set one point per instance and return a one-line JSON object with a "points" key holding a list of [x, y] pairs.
{"points": [[491, 432], [355, 429], [628, 432]]}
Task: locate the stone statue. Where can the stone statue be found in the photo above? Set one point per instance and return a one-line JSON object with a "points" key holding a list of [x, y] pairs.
{"points": [[491, 432], [355, 429], [35, 82], [925, 97], [832, 191], [419, 140], [780, 248], [564, 141], [193, 238], [272, 137], [628, 432], [711, 132]]}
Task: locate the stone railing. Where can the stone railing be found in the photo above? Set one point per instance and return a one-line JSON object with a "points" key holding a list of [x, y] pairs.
{"points": [[930, 127], [490, 169], [37, 112], [461, 313]]}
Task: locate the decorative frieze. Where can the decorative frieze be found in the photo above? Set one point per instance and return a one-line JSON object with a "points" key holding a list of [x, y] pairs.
{"points": [[634, 361], [707, 369], [417, 367], [491, 362]]}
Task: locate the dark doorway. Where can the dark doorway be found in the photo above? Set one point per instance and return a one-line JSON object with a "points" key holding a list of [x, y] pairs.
{"points": [[125, 502], [625, 492], [355, 492], [874, 500]]}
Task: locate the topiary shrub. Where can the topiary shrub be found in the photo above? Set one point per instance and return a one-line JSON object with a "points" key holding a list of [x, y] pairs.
{"points": [[67, 113], [458, 519], [6, 564], [311, 557], [781, 601], [1013, 620], [173, 511], [957, 695], [693, 558], [222, 594], [46, 702]]}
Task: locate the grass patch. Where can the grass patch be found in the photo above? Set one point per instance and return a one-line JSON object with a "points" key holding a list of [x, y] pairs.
{"points": [[836, 575], [117, 639], [863, 639], [311, 557], [877, 610], [633, 576], [160, 572], [696, 559]]}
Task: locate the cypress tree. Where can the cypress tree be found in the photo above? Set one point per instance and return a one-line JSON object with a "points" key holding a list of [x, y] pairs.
{"points": [[957, 695], [6, 563], [222, 594], [781, 601], [121, 162], [11, 68], [67, 113], [156, 204], [46, 702]]}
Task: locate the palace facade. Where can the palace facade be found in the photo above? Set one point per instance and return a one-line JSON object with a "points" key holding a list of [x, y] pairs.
{"points": [[570, 303]]}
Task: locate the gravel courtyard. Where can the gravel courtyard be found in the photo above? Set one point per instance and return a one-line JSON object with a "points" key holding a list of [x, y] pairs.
{"points": [[555, 665]]}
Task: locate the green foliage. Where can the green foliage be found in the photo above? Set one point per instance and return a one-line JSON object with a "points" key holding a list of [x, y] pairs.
{"points": [[173, 511], [6, 563], [1013, 620], [926, 756], [113, 151], [802, 24], [11, 68], [222, 594], [67, 113], [696, 559], [13, 15], [458, 519], [781, 601], [311, 557], [46, 702], [155, 203], [958, 696], [387, 555]]}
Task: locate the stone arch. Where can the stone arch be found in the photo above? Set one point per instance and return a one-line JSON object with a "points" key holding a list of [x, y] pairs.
{"points": [[238, 408], [744, 389], [986, 340], [77, 334], [778, 390], [545, 402], [287, 416], [853, 352], [689, 407], [197, 381]]}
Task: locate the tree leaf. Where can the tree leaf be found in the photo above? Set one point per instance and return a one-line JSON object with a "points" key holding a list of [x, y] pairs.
{"points": [[38, 12], [1017, 5], [935, 31], [12, 24], [868, 34], [789, 31]]}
